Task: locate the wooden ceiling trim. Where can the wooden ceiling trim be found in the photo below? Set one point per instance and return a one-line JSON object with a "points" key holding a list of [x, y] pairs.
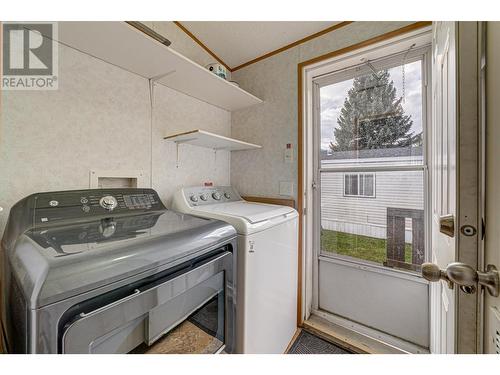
{"points": [[296, 43], [267, 55], [200, 43]]}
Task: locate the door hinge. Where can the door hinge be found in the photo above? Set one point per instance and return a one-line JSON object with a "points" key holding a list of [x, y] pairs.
{"points": [[314, 185]]}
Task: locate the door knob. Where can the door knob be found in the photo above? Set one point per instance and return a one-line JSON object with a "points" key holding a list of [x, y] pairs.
{"points": [[464, 275], [432, 272]]}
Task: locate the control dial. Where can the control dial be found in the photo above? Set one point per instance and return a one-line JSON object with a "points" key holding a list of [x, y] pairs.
{"points": [[108, 202], [193, 198], [203, 197], [216, 196], [227, 195]]}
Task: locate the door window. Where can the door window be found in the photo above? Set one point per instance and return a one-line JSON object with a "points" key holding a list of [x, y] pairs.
{"points": [[371, 145]]}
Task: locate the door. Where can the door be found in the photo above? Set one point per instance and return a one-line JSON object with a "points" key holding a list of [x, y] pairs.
{"points": [[367, 265], [371, 194], [456, 184], [443, 170]]}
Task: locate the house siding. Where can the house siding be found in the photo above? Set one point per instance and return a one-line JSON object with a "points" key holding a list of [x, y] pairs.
{"points": [[367, 216]]}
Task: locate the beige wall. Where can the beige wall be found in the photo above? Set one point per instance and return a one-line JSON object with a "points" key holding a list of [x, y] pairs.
{"points": [[492, 170], [274, 123], [100, 118]]}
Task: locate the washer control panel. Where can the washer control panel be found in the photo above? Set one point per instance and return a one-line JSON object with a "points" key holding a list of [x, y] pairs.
{"points": [[58, 206], [199, 196]]}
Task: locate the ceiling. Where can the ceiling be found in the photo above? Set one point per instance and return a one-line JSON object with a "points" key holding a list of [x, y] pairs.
{"points": [[236, 43]]}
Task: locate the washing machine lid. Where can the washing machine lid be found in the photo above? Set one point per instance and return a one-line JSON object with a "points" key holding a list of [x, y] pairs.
{"points": [[63, 264], [251, 212]]}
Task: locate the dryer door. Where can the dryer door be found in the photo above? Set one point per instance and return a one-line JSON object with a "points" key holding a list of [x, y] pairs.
{"points": [[151, 311]]}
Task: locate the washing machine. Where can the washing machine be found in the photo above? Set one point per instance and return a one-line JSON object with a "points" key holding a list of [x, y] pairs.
{"points": [[266, 310]]}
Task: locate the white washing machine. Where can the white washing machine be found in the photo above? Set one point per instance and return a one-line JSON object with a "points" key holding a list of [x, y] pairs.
{"points": [[266, 295]]}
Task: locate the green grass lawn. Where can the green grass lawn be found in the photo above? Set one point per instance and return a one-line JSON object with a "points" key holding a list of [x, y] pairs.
{"points": [[361, 247]]}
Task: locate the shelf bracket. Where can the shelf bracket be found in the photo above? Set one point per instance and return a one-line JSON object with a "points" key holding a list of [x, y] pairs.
{"points": [[177, 144], [177, 154]]}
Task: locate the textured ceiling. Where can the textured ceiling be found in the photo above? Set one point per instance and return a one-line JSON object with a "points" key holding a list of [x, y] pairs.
{"points": [[239, 42]]}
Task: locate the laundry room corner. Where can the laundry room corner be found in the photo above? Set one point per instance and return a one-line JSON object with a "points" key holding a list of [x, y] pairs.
{"points": [[92, 123], [259, 187]]}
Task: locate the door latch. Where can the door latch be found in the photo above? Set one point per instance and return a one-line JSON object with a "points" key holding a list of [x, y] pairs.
{"points": [[465, 276], [447, 225]]}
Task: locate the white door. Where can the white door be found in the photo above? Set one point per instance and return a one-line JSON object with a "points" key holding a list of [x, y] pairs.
{"points": [[455, 166]]}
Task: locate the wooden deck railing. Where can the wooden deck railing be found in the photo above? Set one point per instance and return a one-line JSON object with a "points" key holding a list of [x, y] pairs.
{"points": [[396, 243]]}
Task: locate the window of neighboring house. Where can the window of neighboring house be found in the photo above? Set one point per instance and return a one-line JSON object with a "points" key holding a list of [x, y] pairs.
{"points": [[359, 185]]}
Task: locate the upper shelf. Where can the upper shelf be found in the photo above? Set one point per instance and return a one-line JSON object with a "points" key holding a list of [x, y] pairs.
{"points": [[206, 139], [121, 44]]}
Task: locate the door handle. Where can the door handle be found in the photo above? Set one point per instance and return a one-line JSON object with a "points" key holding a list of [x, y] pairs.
{"points": [[465, 276]]}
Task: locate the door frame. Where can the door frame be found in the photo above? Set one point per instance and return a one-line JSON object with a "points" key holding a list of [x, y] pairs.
{"points": [[468, 328], [305, 168], [388, 53]]}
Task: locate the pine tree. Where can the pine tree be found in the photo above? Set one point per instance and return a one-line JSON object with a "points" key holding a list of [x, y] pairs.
{"points": [[372, 117]]}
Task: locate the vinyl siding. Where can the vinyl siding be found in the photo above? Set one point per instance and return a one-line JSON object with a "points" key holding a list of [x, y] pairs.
{"points": [[367, 216]]}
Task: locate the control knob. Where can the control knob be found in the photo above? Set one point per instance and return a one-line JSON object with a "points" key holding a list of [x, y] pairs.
{"points": [[203, 197], [108, 202], [227, 195], [193, 198], [216, 196]]}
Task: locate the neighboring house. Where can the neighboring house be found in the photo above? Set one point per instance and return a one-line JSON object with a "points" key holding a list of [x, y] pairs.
{"points": [[356, 202]]}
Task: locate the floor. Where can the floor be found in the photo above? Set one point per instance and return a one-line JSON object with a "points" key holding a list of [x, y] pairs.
{"points": [[186, 338], [349, 339], [307, 343], [196, 335]]}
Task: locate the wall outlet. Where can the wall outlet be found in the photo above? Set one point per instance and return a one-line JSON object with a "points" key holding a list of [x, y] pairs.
{"points": [[286, 188]]}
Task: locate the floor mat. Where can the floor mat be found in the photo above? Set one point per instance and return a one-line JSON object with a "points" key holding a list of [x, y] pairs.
{"points": [[307, 343]]}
